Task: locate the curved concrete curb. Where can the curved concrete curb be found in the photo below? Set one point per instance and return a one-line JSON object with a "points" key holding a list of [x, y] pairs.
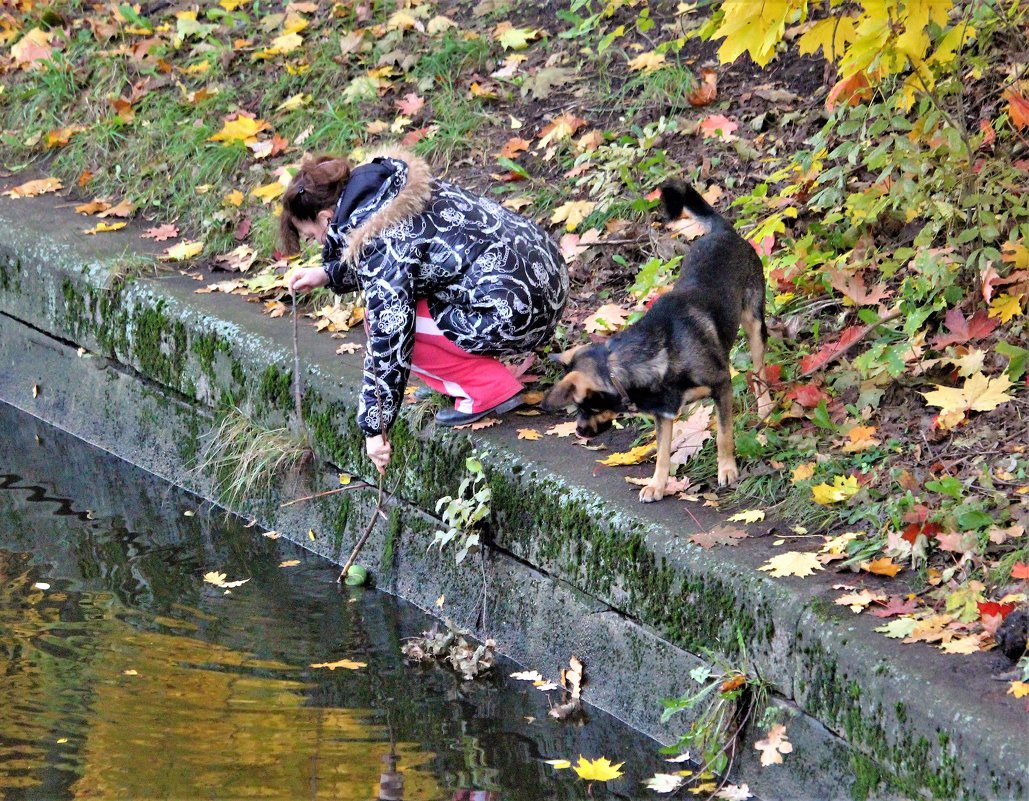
{"points": [[576, 565]]}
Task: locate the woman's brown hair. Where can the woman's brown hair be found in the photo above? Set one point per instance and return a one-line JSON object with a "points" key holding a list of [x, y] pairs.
{"points": [[317, 186]]}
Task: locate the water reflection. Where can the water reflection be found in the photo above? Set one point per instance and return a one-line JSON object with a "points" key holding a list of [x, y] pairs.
{"points": [[124, 676]]}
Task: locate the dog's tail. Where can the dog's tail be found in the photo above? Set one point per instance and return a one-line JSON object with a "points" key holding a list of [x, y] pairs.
{"points": [[677, 195]]}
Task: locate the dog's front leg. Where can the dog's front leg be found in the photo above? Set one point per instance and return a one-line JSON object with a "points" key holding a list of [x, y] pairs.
{"points": [[655, 490], [727, 472]]}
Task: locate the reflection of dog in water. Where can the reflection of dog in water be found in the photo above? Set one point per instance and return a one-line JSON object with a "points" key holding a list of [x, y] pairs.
{"points": [[678, 351]]}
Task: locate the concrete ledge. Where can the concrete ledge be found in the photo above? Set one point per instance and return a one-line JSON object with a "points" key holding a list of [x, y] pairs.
{"points": [[575, 564]]}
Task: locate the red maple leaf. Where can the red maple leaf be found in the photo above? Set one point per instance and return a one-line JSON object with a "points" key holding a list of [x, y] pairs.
{"points": [[852, 285], [807, 395], [848, 337], [410, 104], [896, 605], [720, 126], [961, 330], [930, 530], [1018, 109], [995, 608]]}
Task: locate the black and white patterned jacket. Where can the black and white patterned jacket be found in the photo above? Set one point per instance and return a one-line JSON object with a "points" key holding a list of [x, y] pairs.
{"points": [[494, 281]]}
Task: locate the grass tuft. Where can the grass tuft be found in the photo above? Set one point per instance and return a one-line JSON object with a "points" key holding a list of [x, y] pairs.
{"points": [[244, 459]]}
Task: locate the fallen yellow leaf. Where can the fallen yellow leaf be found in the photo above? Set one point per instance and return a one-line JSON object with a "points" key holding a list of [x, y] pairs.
{"points": [[882, 567], [749, 516], [342, 663], [792, 563], [842, 489], [632, 456], [241, 129], [183, 251], [40, 186], [100, 228], [530, 434]]}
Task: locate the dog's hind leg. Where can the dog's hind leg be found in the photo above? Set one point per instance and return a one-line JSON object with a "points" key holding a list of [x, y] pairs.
{"points": [[655, 490], [727, 472], [757, 336]]}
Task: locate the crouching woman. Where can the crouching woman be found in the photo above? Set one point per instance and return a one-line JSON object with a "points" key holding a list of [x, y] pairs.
{"points": [[451, 280]]}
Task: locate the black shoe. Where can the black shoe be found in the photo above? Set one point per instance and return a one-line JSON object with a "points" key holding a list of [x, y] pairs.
{"points": [[423, 393], [452, 417]]}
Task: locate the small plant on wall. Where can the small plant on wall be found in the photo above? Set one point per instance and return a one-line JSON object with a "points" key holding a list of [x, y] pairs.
{"points": [[463, 514]]}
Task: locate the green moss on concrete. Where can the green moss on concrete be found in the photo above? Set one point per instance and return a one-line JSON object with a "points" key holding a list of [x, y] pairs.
{"points": [[10, 274], [907, 762], [206, 346]]}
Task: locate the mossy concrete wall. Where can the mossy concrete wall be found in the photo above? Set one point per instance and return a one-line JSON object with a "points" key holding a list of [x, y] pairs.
{"points": [[574, 564]]}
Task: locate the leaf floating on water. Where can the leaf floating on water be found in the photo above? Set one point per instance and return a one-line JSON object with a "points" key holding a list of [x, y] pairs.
{"points": [[664, 782], [272, 535], [559, 764], [342, 663], [597, 770], [289, 563], [218, 580], [41, 585], [528, 675]]}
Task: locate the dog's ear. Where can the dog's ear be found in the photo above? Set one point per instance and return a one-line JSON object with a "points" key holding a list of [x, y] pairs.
{"points": [[570, 389], [565, 357], [673, 199]]}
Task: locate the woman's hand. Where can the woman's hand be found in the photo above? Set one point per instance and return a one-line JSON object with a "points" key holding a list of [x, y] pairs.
{"points": [[379, 450], [304, 279]]}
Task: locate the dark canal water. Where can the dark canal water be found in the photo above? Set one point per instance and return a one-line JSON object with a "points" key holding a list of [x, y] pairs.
{"points": [[124, 676]]}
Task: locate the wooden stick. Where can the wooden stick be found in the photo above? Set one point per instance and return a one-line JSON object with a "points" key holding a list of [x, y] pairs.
{"points": [[296, 365], [350, 486]]}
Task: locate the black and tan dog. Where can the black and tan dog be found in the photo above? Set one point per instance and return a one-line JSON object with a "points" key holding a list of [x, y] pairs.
{"points": [[678, 352]]}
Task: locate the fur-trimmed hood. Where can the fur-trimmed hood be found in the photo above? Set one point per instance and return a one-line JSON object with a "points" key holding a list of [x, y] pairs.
{"points": [[393, 185]]}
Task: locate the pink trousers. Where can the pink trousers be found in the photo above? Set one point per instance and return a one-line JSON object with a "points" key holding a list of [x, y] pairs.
{"points": [[476, 382]]}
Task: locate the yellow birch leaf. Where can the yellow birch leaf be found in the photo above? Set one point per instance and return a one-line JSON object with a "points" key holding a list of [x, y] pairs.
{"points": [[268, 192], [632, 456], [103, 227], [749, 516], [530, 434], [234, 198], [184, 250]]}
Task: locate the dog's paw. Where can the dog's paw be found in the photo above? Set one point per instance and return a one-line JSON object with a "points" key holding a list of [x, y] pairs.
{"points": [[651, 493], [765, 405], [727, 472]]}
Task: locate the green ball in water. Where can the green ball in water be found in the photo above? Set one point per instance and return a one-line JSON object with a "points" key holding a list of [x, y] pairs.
{"points": [[357, 576]]}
